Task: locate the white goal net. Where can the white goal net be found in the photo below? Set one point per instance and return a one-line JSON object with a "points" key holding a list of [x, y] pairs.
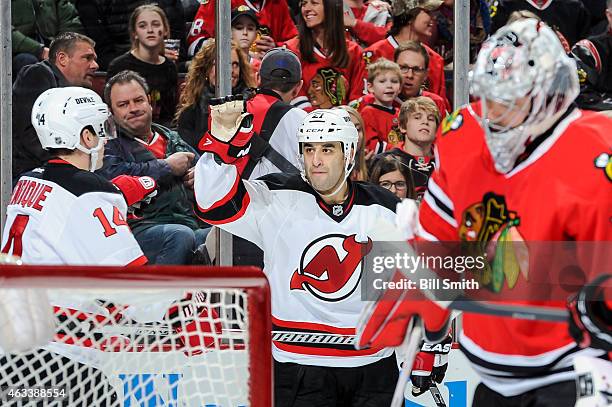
{"points": [[147, 337]]}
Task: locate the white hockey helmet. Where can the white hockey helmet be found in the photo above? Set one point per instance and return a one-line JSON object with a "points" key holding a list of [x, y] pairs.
{"points": [[323, 125], [522, 61], [59, 115]]}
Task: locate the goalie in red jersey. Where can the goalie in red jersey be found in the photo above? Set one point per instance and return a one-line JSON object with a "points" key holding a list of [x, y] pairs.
{"points": [[521, 164]]}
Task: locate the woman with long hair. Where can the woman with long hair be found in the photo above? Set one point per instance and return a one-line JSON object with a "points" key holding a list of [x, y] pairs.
{"points": [[192, 113], [321, 43], [148, 27], [390, 172]]}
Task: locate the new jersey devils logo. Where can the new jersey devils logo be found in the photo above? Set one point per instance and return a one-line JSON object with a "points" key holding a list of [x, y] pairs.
{"points": [[331, 266]]}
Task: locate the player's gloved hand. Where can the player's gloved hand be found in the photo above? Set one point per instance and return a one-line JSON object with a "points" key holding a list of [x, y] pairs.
{"points": [[384, 323], [135, 190], [230, 132], [197, 325], [430, 365], [591, 314]]}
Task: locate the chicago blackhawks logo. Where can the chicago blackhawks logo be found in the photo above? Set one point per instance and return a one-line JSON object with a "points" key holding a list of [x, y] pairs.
{"points": [[491, 223], [452, 122], [331, 267]]}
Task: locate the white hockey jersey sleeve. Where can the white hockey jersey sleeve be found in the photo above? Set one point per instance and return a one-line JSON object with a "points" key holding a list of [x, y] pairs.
{"points": [[224, 199]]}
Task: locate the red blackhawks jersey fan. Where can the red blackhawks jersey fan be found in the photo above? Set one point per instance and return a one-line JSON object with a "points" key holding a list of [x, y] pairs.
{"points": [[314, 230], [542, 167]]}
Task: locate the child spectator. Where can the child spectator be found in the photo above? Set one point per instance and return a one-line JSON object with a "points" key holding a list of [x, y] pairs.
{"points": [[380, 116], [412, 21], [321, 44], [391, 173], [192, 116], [418, 122], [245, 30], [276, 25], [148, 28], [327, 89], [106, 22]]}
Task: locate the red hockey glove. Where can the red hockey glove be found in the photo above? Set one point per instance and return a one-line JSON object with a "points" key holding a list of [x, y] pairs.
{"points": [[230, 132], [135, 189], [197, 326], [384, 322], [591, 314], [430, 365]]}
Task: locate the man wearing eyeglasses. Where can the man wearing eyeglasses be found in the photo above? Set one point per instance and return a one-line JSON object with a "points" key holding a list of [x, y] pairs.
{"points": [[413, 61]]}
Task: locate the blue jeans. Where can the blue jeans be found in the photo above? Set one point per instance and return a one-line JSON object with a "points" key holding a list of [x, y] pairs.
{"points": [[170, 243]]}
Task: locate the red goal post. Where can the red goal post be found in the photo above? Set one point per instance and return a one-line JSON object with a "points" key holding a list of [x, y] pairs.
{"points": [[153, 335]]}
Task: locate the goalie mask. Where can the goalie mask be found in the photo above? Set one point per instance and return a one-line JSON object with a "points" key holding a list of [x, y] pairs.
{"points": [[59, 116], [524, 70], [326, 125]]}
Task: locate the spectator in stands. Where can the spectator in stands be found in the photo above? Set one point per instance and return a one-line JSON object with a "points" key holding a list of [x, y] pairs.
{"points": [[149, 27], [72, 62], [388, 171], [412, 21], [35, 24], [594, 59], [275, 23], [192, 115], [321, 44], [106, 21], [274, 118], [569, 17], [244, 33], [166, 229], [480, 28], [380, 116], [419, 119], [367, 21], [360, 171], [413, 60], [327, 89]]}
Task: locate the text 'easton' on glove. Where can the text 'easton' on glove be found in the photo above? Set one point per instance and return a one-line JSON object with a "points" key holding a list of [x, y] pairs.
{"points": [[430, 365]]}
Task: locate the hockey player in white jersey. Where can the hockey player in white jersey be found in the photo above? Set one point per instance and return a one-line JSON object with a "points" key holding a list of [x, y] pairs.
{"points": [[314, 229], [64, 213]]}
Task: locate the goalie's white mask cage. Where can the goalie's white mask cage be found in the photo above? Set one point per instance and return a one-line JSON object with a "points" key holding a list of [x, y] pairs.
{"points": [[156, 336]]}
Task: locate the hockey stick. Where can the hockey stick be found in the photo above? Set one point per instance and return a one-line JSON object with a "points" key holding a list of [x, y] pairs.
{"points": [[511, 311], [435, 393], [412, 347]]}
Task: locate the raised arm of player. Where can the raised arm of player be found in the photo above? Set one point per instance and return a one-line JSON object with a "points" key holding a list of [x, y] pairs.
{"points": [[222, 197]]}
